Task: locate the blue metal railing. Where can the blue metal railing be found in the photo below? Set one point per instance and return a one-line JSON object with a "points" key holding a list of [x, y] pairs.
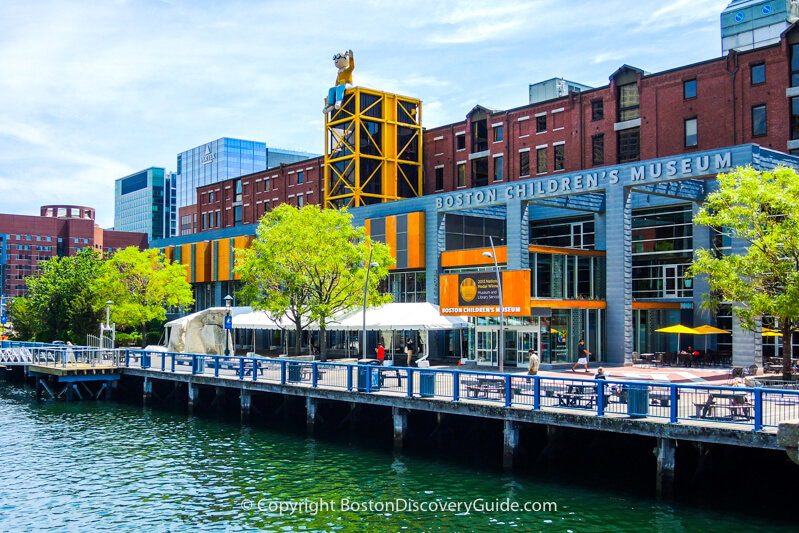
{"points": [[756, 408]]}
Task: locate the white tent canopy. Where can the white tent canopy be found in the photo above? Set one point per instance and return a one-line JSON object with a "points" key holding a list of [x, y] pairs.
{"points": [[234, 311], [399, 316], [260, 320]]}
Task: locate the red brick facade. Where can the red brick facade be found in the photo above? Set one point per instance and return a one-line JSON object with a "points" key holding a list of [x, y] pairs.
{"points": [[563, 131], [30, 239]]}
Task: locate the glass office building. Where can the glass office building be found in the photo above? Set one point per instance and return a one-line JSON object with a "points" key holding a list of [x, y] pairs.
{"points": [[223, 159], [145, 202]]}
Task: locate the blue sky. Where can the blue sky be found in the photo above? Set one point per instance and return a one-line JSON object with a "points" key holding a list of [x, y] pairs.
{"points": [[93, 91]]}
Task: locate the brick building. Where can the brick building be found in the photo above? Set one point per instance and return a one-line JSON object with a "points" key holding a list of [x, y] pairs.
{"points": [[59, 231]]}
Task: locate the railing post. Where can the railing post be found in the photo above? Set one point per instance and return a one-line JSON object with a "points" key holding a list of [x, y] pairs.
{"points": [[193, 364], [241, 368], [127, 358], [674, 403], [456, 386], [216, 366], [508, 396], [349, 377], [163, 362], [282, 372], [173, 361], [410, 382], [314, 374], [536, 393], [254, 369], [368, 378], [600, 397], [758, 409]]}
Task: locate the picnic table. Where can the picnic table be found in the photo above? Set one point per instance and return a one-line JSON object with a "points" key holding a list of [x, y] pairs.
{"points": [[725, 405], [578, 396], [484, 387]]}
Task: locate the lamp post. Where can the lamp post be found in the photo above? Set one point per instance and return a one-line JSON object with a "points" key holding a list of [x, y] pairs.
{"points": [[108, 314], [501, 351], [369, 266], [228, 303]]}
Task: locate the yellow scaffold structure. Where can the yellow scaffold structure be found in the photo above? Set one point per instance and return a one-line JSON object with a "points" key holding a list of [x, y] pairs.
{"points": [[373, 149]]}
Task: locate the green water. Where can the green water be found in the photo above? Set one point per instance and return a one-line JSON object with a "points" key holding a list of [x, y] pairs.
{"points": [[113, 467]]}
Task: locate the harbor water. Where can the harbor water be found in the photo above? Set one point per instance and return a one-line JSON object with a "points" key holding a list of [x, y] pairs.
{"points": [[94, 466]]}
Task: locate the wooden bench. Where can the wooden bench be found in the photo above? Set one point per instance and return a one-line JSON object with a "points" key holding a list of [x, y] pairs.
{"points": [[484, 388], [723, 411], [576, 399], [387, 371]]}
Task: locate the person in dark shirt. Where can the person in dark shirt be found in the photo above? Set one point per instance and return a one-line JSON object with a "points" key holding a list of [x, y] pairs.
{"points": [[582, 355]]}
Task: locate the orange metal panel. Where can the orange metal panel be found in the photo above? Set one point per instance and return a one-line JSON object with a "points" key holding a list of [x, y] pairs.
{"points": [[567, 251], [202, 258], [223, 261], [391, 238], [460, 258], [570, 304], [656, 305], [185, 259], [416, 255]]}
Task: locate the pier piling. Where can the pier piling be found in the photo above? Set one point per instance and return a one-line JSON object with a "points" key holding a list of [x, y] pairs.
{"points": [[310, 415], [246, 404], [511, 444], [400, 427], [665, 473], [194, 392], [147, 391]]}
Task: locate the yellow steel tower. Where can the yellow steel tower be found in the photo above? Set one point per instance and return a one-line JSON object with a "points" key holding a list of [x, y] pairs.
{"points": [[373, 149]]}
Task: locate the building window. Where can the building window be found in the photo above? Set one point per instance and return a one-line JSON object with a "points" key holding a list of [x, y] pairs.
{"points": [[691, 138], [795, 118], [217, 220], [758, 120], [237, 215], [480, 172], [628, 102], [560, 156], [758, 74], [439, 179], [266, 184], [598, 149], [524, 163], [300, 177], [205, 220], [464, 232], [461, 174], [479, 136], [541, 124], [795, 65], [498, 168], [597, 110], [629, 145], [210, 197], [300, 201], [689, 89], [541, 156], [460, 141], [497, 133], [238, 196]]}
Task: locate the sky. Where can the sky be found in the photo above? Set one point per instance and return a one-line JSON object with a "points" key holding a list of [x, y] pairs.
{"points": [[91, 91]]}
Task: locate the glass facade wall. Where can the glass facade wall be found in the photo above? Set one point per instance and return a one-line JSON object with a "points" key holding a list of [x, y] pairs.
{"points": [[145, 202]]}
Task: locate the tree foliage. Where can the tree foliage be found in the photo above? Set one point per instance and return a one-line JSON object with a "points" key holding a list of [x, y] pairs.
{"points": [[59, 300], [142, 284], [762, 210], [309, 264]]}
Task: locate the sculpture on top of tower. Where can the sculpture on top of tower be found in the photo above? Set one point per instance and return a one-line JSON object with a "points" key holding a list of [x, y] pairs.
{"points": [[346, 64]]}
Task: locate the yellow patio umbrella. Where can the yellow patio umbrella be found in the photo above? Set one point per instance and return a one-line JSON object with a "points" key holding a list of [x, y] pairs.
{"points": [[709, 330], [679, 329], [768, 332]]}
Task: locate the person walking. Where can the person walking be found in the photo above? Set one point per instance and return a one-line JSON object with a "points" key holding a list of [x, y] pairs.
{"points": [[532, 365], [582, 355], [409, 350], [381, 352]]}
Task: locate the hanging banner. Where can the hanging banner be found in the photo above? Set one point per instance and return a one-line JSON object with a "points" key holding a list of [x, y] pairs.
{"points": [[477, 293]]}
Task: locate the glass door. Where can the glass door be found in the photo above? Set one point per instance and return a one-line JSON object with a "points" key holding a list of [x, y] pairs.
{"points": [[526, 340], [670, 279], [487, 339]]}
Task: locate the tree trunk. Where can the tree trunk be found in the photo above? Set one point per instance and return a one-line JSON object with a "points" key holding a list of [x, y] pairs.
{"points": [[787, 336], [298, 340], [144, 335], [322, 341]]}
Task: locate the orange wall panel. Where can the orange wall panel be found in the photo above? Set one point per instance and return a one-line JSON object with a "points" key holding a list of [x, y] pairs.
{"points": [[185, 259], [416, 257], [458, 258], [223, 261], [202, 260], [391, 237]]}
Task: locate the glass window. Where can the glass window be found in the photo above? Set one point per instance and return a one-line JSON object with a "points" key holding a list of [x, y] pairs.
{"points": [[758, 74], [479, 136], [498, 168], [795, 118], [300, 177], [497, 133], [628, 102], [629, 145], [460, 141], [689, 89], [461, 174], [758, 120], [560, 157], [237, 215], [691, 138], [300, 200], [541, 124], [541, 156], [524, 163], [597, 110], [266, 184], [439, 179], [598, 149], [795, 65]]}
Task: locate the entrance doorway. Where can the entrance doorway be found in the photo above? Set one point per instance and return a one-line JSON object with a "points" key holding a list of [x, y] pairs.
{"points": [[518, 341]]}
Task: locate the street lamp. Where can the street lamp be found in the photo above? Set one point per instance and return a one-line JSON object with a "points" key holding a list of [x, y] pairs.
{"points": [[369, 266], [108, 314], [501, 352], [228, 303]]}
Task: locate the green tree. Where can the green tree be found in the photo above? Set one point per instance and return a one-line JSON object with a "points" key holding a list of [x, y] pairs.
{"points": [[761, 209], [142, 284], [310, 264], [57, 304]]}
